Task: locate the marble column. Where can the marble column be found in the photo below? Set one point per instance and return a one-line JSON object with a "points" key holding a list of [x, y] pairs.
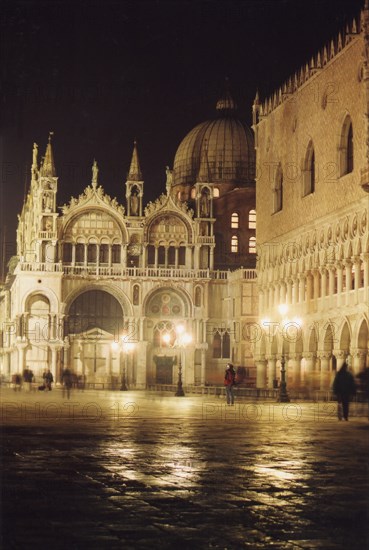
{"points": [[295, 368], [358, 360], [324, 358], [271, 370], [261, 381], [309, 370]]}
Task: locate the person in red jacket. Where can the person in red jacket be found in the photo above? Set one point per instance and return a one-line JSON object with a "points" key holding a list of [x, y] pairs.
{"points": [[229, 382]]}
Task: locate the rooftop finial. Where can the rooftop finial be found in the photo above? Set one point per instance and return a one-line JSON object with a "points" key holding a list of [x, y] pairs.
{"points": [[135, 173], [34, 159], [95, 174], [48, 166], [226, 103]]}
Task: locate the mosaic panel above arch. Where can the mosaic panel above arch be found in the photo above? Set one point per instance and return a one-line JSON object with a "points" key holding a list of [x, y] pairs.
{"points": [[168, 229], [92, 223], [166, 303]]}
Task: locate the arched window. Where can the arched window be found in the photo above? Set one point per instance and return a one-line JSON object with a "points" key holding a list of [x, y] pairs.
{"points": [[115, 253], [346, 148], [234, 220], [95, 309], [67, 253], [221, 344], [91, 253], [136, 295], [80, 253], [252, 245], [309, 171], [104, 254], [234, 244], [350, 150], [252, 219], [198, 295], [278, 191], [216, 192]]}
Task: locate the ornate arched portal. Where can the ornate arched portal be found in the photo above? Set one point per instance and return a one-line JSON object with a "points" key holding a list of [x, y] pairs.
{"points": [[94, 322], [165, 309]]}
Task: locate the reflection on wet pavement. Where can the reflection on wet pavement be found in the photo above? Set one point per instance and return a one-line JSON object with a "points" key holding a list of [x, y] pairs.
{"points": [[142, 471]]}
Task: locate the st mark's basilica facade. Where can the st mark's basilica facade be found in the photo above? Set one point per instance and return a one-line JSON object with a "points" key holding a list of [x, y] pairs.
{"points": [[103, 286], [258, 250]]}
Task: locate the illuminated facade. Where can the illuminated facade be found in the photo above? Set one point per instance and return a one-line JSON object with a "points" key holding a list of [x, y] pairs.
{"points": [[312, 143], [99, 274]]}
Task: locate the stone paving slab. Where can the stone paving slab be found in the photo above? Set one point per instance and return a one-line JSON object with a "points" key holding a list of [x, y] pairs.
{"points": [[122, 470]]}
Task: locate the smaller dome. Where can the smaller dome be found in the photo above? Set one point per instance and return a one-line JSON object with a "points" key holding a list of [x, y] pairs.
{"points": [[226, 103]]}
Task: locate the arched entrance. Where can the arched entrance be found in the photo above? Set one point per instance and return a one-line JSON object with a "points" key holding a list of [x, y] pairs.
{"points": [[95, 320], [165, 309]]}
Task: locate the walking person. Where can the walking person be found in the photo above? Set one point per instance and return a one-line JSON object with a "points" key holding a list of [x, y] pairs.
{"points": [[67, 381], [229, 382], [344, 388], [48, 379]]}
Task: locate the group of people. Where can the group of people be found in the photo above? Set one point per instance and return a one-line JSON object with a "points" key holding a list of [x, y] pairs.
{"points": [[68, 380], [344, 388], [23, 381]]}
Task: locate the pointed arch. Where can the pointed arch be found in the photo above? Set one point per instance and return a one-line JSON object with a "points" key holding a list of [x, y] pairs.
{"points": [[309, 171], [346, 147], [278, 191]]}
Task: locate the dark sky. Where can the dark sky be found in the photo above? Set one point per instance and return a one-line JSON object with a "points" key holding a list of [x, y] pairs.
{"points": [[101, 74]]}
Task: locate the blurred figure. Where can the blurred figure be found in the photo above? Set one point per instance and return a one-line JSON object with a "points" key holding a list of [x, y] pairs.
{"points": [[27, 379], [16, 380], [48, 380], [229, 382], [344, 388], [67, 381], [363, 379]]}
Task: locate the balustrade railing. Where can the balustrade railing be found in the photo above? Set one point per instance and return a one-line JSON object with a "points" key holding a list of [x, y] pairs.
{"points": [[133, 272]]}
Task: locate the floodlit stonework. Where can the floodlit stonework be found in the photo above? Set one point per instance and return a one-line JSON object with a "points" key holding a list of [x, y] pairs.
{"points": [[312, 163], [102, 287]]}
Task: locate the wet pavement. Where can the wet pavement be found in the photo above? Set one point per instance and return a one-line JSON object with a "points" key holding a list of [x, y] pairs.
{"points": [[137, 470]]}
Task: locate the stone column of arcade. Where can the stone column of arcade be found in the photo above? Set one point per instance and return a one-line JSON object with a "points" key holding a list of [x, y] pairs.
{"points": [[324, 370], [261, 372]]}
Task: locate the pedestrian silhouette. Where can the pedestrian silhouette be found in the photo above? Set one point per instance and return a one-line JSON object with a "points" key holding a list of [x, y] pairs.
{"points": [[344, 388], [48, 380], [229, 382], [67, 380]]}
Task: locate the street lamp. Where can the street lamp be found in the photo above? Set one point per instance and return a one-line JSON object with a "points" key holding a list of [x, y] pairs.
{"points": [[283, 396], [126, 348], [182, 339]]}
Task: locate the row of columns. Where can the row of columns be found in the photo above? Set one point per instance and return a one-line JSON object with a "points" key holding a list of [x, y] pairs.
{"points": [[316, 371], [190, 262], [320, 283], [47, 328]]}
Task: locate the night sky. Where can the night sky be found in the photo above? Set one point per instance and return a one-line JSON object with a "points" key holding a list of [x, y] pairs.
{"points": [[101, 74]]}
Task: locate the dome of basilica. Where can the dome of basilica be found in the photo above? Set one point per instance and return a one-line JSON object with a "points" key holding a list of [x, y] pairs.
{"points": [[225, 142]]}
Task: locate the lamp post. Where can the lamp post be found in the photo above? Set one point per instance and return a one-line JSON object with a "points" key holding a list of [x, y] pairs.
{"points": [[182, 339], [126, 348], [283, 396]]}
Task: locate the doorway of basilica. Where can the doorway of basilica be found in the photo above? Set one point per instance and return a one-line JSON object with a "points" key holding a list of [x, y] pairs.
{"points": [[164, 369], [95, 321]]}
